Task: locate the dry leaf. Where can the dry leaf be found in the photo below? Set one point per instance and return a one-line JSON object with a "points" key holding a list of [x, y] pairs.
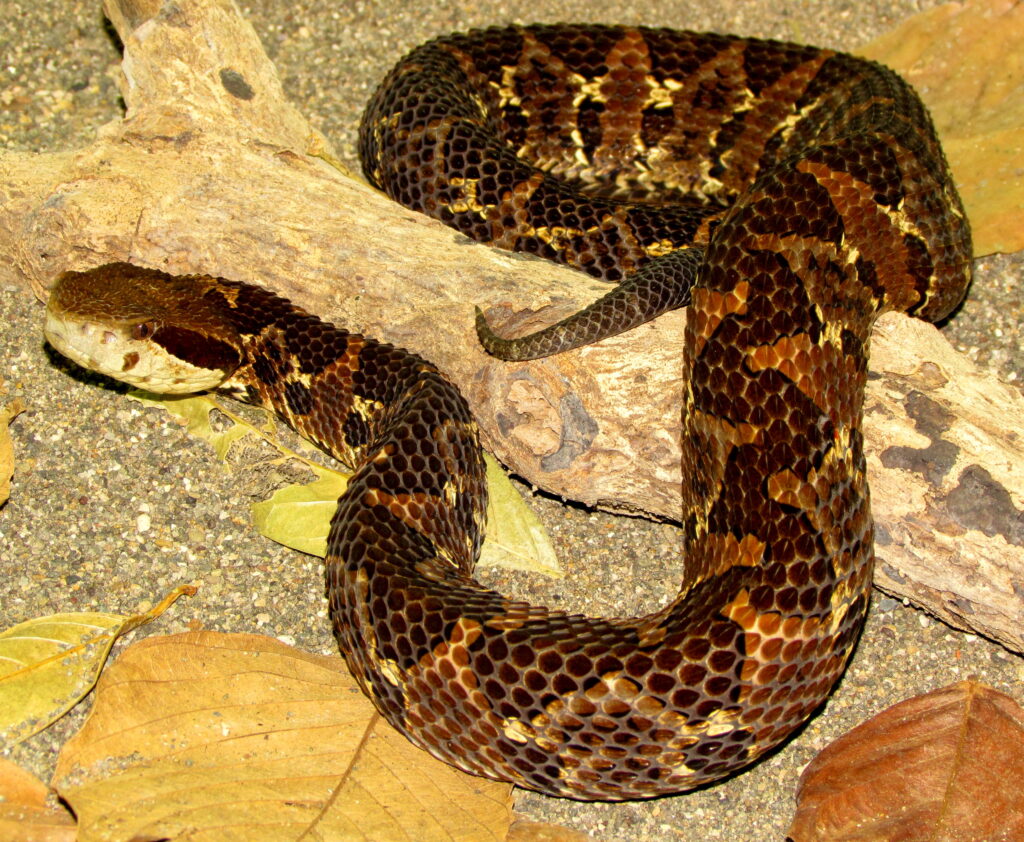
{"points": [[24, 816], [7, 414], [48, 664], [946, 766], [20, 787], [239, 737], [967, 62]]}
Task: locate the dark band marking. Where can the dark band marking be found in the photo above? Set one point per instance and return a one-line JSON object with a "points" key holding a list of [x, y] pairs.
{"points": [[298, 398], [197, 349]]}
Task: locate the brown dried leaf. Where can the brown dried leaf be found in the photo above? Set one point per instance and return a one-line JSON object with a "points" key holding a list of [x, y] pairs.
{"points": [[212, 736], [524, 830], [966, 61], [945, 766], [24, 816]]}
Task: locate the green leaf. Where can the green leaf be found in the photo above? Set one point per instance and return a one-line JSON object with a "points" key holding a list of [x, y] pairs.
{"points": [[46, 666], [299, 517]]}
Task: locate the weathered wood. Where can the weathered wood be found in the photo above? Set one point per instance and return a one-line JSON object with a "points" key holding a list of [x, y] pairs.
{"points": [[946, 469], [211, 170]]}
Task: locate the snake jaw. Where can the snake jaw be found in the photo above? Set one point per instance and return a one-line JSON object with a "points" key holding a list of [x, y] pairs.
{"points": [[111, 350]]}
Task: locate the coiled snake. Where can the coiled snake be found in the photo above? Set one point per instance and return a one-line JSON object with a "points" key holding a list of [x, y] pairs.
{"points": [[790, 194]]}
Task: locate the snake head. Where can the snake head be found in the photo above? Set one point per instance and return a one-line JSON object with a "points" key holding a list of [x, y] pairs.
{"points": [[146, 328]]}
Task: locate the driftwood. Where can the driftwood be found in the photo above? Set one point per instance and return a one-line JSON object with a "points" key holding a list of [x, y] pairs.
{"points": [[211, 170]]}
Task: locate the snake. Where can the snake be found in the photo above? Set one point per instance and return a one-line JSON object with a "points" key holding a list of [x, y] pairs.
{"points": [[788, 195]]}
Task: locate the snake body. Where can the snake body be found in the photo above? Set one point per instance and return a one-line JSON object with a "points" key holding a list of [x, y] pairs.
{"points": [[789, 194]]}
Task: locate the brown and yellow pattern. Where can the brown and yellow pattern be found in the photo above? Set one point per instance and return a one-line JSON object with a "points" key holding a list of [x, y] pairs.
{"points": [[791, 194]]}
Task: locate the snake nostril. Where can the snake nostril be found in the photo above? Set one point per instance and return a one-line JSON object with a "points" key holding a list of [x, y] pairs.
{"points": [[108, 337]]}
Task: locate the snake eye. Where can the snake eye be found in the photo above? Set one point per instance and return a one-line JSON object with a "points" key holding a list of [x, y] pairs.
{"points": [[143, 330]]}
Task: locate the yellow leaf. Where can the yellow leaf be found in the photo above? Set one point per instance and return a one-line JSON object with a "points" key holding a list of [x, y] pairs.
{"points": [[515, 537], [195, 411], [7, 414], [240, 737], [299, 516], [48, 664]]}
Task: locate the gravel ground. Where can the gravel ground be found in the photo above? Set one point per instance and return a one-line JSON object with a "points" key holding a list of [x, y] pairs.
{"points": [[114, 504]]}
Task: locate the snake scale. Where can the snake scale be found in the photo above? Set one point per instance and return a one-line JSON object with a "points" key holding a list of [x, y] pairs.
{"points": [[790, 195]]}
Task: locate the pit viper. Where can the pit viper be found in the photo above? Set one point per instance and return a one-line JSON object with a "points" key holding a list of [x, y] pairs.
{"points": [[789, 195]]}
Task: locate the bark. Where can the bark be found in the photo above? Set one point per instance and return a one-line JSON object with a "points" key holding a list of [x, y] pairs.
{"points": [[212, 170]]}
